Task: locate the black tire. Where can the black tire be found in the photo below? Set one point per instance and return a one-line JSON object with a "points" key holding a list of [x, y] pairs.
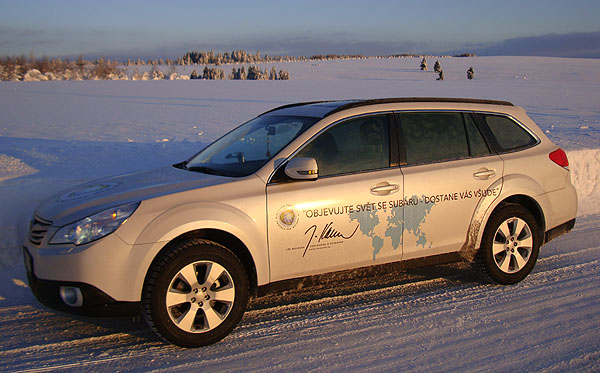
{"points": [[510, 245], [195, 294]]}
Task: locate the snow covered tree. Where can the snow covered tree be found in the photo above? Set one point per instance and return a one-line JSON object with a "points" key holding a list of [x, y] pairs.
{"points": [[437, 67], [213, 73], [284, 75], [470, 73], [273, 74], [136, 75], [441, 75], [103, 68], [10, 69], [194, 75], [238, 74], [424, 64], [80, 63], [156, 73], [254, 73]]}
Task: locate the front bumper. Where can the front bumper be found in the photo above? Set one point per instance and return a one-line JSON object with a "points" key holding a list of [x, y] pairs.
{"points": [[110, 264], [95, 301]]}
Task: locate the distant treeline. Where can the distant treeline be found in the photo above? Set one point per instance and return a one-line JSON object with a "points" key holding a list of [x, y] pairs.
{"points": [[43, 69], [35, 69], [18, 68], [241, 56], [254, 73]]}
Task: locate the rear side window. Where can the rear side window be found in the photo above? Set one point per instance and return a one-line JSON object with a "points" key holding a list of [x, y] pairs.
{"points": [[434, 137], [477, 145], [509, 134]]}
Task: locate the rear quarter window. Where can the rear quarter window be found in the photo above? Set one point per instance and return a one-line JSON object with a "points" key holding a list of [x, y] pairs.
{"points": [[509, 135]]}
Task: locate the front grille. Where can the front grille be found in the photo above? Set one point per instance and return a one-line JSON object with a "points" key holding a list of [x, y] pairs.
{"points": [[37, 230]]}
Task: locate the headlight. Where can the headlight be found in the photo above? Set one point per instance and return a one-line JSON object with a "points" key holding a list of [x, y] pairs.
{"points": [[95, 226]]}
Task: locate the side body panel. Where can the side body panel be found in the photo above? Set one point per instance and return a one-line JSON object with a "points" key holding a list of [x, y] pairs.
{"points": [[334, 223], [447, 195]]}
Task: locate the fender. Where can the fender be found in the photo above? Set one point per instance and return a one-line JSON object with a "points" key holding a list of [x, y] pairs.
{"points": [[201, 215], [511, 185], [471, 245]]}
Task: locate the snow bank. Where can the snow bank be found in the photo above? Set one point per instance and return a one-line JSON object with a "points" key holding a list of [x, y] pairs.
{"points": [[34, 75], [11, 167], [585, 176]]}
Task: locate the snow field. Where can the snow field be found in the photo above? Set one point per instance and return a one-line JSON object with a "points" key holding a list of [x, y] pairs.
{"points": [[57, 134], [441, 320]]}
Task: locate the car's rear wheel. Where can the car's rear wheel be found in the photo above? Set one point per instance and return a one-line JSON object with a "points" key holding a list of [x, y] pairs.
{"points": [[510, 245], [195, 294]]}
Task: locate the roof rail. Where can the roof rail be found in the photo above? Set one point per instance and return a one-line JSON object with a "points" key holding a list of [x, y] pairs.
{"points": [[296, 104], [358, 103]]}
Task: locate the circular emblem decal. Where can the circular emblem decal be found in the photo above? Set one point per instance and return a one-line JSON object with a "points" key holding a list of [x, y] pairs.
{"points": [[87, 191], [287, 217]]}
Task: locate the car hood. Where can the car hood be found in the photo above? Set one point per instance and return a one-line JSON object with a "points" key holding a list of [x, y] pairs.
{"points": [[95, 196]]}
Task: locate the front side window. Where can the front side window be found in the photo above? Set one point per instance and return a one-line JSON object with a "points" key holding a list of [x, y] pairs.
{"points": [[356, 145], [244, 150]]}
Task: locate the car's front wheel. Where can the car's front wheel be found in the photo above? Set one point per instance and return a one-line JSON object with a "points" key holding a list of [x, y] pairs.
{"points": [[510, 245], [195, 294]]}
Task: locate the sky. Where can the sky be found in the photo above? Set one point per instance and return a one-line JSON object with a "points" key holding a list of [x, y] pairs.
{"points": [[150, 28]]}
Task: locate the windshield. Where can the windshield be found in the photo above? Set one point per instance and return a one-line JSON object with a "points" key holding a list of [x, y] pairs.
{"points": [[244, 150]]}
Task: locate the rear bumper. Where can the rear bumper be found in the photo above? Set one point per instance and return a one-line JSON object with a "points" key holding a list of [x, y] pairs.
{"points": [[559, 230]]}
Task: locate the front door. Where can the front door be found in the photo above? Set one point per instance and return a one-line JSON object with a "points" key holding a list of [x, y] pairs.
{"points": [[350, 216]]}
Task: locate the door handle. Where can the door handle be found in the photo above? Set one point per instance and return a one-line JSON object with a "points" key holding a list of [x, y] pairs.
{"points": [[484, 174], [384, 188]]}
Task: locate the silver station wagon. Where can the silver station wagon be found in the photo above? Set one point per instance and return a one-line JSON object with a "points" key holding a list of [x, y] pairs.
{"points": [[302, 190]]}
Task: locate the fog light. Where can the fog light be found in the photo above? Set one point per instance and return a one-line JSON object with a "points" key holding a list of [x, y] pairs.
{"points": [[71, 296]]}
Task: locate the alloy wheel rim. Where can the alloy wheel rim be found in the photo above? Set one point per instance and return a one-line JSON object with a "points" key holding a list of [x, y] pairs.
{"points": [[200, 296], [512, 246]]}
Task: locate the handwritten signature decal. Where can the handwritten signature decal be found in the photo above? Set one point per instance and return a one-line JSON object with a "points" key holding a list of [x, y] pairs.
{"points": [[328, 232]]}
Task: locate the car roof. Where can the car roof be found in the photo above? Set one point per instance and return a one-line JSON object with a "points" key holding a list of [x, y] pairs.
{"points": [[321, 109]]}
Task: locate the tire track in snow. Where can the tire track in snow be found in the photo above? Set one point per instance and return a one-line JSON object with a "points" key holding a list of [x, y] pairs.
{"points": [[409, 311], [379, 304]]}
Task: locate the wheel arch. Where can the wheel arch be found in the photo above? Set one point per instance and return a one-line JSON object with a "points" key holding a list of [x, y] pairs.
{"points": [[221, 237], [480, 221], [227, 226], [531, 205]]}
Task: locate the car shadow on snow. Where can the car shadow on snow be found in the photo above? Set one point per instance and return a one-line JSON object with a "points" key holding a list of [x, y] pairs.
{"points": [[52, 326], [340, 284]]}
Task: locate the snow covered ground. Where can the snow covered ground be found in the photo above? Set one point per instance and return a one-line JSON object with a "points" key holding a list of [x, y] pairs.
{"points": [[56, 134]]}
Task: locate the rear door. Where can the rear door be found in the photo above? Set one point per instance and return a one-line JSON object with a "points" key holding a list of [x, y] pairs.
{"points": [[449, 171]]}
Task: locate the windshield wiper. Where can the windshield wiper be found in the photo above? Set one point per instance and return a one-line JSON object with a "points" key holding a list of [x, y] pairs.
{"points": [[181, 165], [206, 170]]}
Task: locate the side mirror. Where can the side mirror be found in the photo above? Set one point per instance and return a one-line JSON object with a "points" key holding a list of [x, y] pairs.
{"points": [[302, 169]]}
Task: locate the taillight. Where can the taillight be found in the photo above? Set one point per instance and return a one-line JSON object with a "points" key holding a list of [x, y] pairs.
{"points": [[560, 158]]}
